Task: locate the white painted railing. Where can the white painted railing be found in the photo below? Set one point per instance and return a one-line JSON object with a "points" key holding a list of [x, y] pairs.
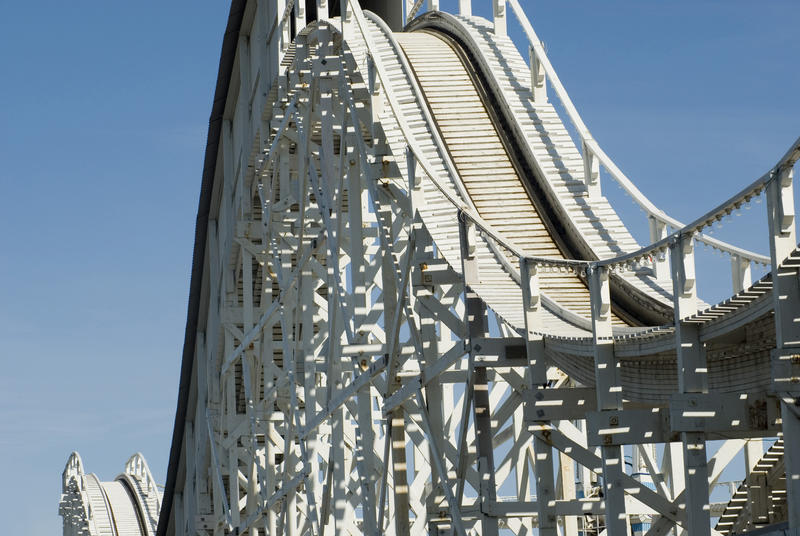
{"points": [[593, 155], [651, 254], [542, 71], [656, 252]]}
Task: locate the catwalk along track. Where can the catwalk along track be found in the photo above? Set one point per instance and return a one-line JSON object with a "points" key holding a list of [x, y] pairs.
{"points": [[413, 311]]}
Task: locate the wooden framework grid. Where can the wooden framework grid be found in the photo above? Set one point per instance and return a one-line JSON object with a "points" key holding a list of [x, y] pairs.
{"points": [[352, 376]]}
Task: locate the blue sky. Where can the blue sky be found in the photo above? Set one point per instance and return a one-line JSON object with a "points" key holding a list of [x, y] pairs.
{"points": [[102, 131]]}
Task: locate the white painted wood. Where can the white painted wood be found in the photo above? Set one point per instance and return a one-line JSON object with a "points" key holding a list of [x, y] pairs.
{"points": [[340, 387]]}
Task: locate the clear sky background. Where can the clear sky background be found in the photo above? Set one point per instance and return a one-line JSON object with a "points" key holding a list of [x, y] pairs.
{"points": [[103, 119]]}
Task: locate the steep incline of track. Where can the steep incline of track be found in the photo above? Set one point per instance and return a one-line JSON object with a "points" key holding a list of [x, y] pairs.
{"points": [[647, 356], [549, 163], [484, 163], [440, 215]]}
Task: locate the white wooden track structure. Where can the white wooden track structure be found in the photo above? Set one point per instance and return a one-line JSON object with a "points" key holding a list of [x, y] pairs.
{"points": [[126, 506], [413, 311]]}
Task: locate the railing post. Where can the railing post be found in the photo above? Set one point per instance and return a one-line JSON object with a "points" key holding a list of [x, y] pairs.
{"points": [[692, 378], [538, 77], [433, 5], [376, 107], [740, 273], [683, 277], [537, 367], [465, 8], [469, 263], [658, 231], [591, 171], [322, 9], [499, 17], [346, 11], [283, 28], [786, 356], [299, 15], [475, 311], [609, 396], [780, 209], [415, 194]]}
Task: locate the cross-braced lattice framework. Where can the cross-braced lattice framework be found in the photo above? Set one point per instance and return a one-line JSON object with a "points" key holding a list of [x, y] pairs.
{"points": [[360, 384]]}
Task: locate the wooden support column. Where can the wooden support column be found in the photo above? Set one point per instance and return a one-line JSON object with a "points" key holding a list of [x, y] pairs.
{"points": [[346, 11], [229, 419], [283, 27], [309, 446], [397, 419], [377, 100], [465, 8], [692, 378], [357, 200], [423, 246], [786, 356], [537, 368], [609, 397], [475, 312]]}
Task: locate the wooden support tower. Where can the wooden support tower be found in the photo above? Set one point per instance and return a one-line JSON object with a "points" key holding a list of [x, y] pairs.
{"points": [[413, 311]]}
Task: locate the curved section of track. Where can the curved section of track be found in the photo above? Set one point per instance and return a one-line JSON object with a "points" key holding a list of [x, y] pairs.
{"points": [[549, 163], [308, 260], [647, 355], [126, 506], [483, 162]]}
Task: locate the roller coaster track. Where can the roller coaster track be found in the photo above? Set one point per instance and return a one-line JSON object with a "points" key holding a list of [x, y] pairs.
{"points": [[127, 506], [413, 310]]}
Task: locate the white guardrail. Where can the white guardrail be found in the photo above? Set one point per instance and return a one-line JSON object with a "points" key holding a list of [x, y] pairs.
{"points": [[593, 155]]}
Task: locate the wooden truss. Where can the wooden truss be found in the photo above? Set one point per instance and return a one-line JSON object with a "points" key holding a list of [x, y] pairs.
{"points": [[352, 381]]}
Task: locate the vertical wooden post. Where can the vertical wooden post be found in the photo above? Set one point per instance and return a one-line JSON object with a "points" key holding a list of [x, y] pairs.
{"points": [[609, 396], [500, 25], [358, 257], [786, 300], [568, 476], [658, 231], [322, 9], [346, 11], [538, 77], [537, 370], [424, 253], [465, 8], [396, 429], [692, 378], [283, 28], [740, 273]]}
